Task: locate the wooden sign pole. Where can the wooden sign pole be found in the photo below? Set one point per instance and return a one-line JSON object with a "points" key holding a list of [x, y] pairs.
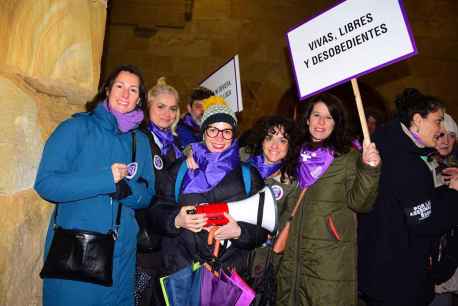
{"points": [[359, 106]]}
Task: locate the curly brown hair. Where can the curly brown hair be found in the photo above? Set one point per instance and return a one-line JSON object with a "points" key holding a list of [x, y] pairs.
{"points": [[266, 126]]}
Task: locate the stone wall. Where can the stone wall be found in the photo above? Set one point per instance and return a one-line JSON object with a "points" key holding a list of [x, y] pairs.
{"points": [[255, 29], [49, 66]]}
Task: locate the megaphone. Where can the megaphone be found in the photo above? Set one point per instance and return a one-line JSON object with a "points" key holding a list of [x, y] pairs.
{"points": [[244, 210]]}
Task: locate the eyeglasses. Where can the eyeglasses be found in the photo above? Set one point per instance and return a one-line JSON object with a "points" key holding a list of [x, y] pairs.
{"points": [[213, 132]]}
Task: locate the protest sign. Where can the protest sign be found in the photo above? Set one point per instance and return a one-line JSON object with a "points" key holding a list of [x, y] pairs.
{"points": [[353, 38], [225, 82]]}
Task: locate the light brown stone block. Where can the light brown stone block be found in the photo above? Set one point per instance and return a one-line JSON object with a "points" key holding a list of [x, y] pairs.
{"points": [[21, 143], [24, 221], [211, 9], [216, 28], [55, 46], [170, 13], [179, 45]]}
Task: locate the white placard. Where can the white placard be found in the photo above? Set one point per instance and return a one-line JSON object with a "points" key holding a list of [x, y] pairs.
{"points": [[351, 39], [225, 82]]}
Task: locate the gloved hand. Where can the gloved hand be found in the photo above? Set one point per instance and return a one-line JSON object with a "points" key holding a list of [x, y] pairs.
{"points": [[122, 190]]}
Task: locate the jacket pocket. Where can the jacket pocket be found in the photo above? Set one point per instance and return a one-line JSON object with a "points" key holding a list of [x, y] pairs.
{"points": [[333, 230]]}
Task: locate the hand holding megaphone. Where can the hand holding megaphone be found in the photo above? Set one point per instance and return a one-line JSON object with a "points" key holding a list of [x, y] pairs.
{"points": [[217, 219], [231, 230], [244, 210], [192, 222], [214, 212]]}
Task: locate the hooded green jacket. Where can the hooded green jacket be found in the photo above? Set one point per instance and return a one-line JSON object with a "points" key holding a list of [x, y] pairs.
{"points": [[318, 267]]}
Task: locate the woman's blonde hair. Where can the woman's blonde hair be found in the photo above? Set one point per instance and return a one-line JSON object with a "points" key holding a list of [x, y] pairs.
{"points": [[162, 87]]}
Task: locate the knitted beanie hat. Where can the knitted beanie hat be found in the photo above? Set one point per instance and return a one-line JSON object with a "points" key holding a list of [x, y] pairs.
{"points": [[216, 110], [450, 124]]}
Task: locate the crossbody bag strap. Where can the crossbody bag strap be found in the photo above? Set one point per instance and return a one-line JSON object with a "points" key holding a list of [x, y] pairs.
{"points": [[179, 179], [252, 254], [118, 213], [134, 147], [298, 203], [55, 217], [262, 197], [115, 229]]}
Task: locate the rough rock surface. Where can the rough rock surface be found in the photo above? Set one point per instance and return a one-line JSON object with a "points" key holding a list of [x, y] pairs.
{"points": [[49, 66]]}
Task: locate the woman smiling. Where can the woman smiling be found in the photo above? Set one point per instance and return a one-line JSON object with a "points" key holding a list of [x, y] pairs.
{"points": [[319, 263]]}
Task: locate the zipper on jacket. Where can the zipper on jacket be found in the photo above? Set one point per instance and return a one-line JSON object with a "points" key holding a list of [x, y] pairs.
{"points": [[111, 206]]}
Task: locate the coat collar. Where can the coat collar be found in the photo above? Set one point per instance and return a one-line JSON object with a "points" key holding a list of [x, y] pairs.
{"points": [[105, 119], [393, 135]]}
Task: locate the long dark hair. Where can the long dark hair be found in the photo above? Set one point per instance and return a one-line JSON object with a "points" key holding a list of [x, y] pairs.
{"points": [[108, 84], [266, 126], [339, 141], [411, 101]]}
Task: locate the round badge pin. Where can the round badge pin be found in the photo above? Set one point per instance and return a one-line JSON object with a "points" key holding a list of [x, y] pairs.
{"points": [[158, 163], [131, 170], [278, 191]]}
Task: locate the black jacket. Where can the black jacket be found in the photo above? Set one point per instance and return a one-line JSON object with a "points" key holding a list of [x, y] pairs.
{"points": [[161, 164], [181, 247], [395, 238], [149, 292]]}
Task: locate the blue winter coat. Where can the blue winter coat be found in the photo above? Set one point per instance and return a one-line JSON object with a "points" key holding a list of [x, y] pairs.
{"points": [[75, 173]]}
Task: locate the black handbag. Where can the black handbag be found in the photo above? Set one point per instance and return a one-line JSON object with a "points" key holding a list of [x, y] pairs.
{"points": [[81, 255]]}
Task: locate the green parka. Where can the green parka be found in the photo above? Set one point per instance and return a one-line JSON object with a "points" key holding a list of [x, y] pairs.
{"points": [[317, 268]]}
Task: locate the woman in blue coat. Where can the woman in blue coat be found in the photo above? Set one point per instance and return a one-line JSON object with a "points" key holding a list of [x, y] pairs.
{"points": [[83, 166]]}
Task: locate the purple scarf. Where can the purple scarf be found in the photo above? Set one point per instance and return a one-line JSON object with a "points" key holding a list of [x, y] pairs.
{"points": [[213, 167], [126, 121], [166, 139], [264, 169], [187, 119], [313, 163]]}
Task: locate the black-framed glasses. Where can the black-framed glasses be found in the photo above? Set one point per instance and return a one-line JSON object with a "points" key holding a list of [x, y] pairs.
{"points": [[212, 132]]}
